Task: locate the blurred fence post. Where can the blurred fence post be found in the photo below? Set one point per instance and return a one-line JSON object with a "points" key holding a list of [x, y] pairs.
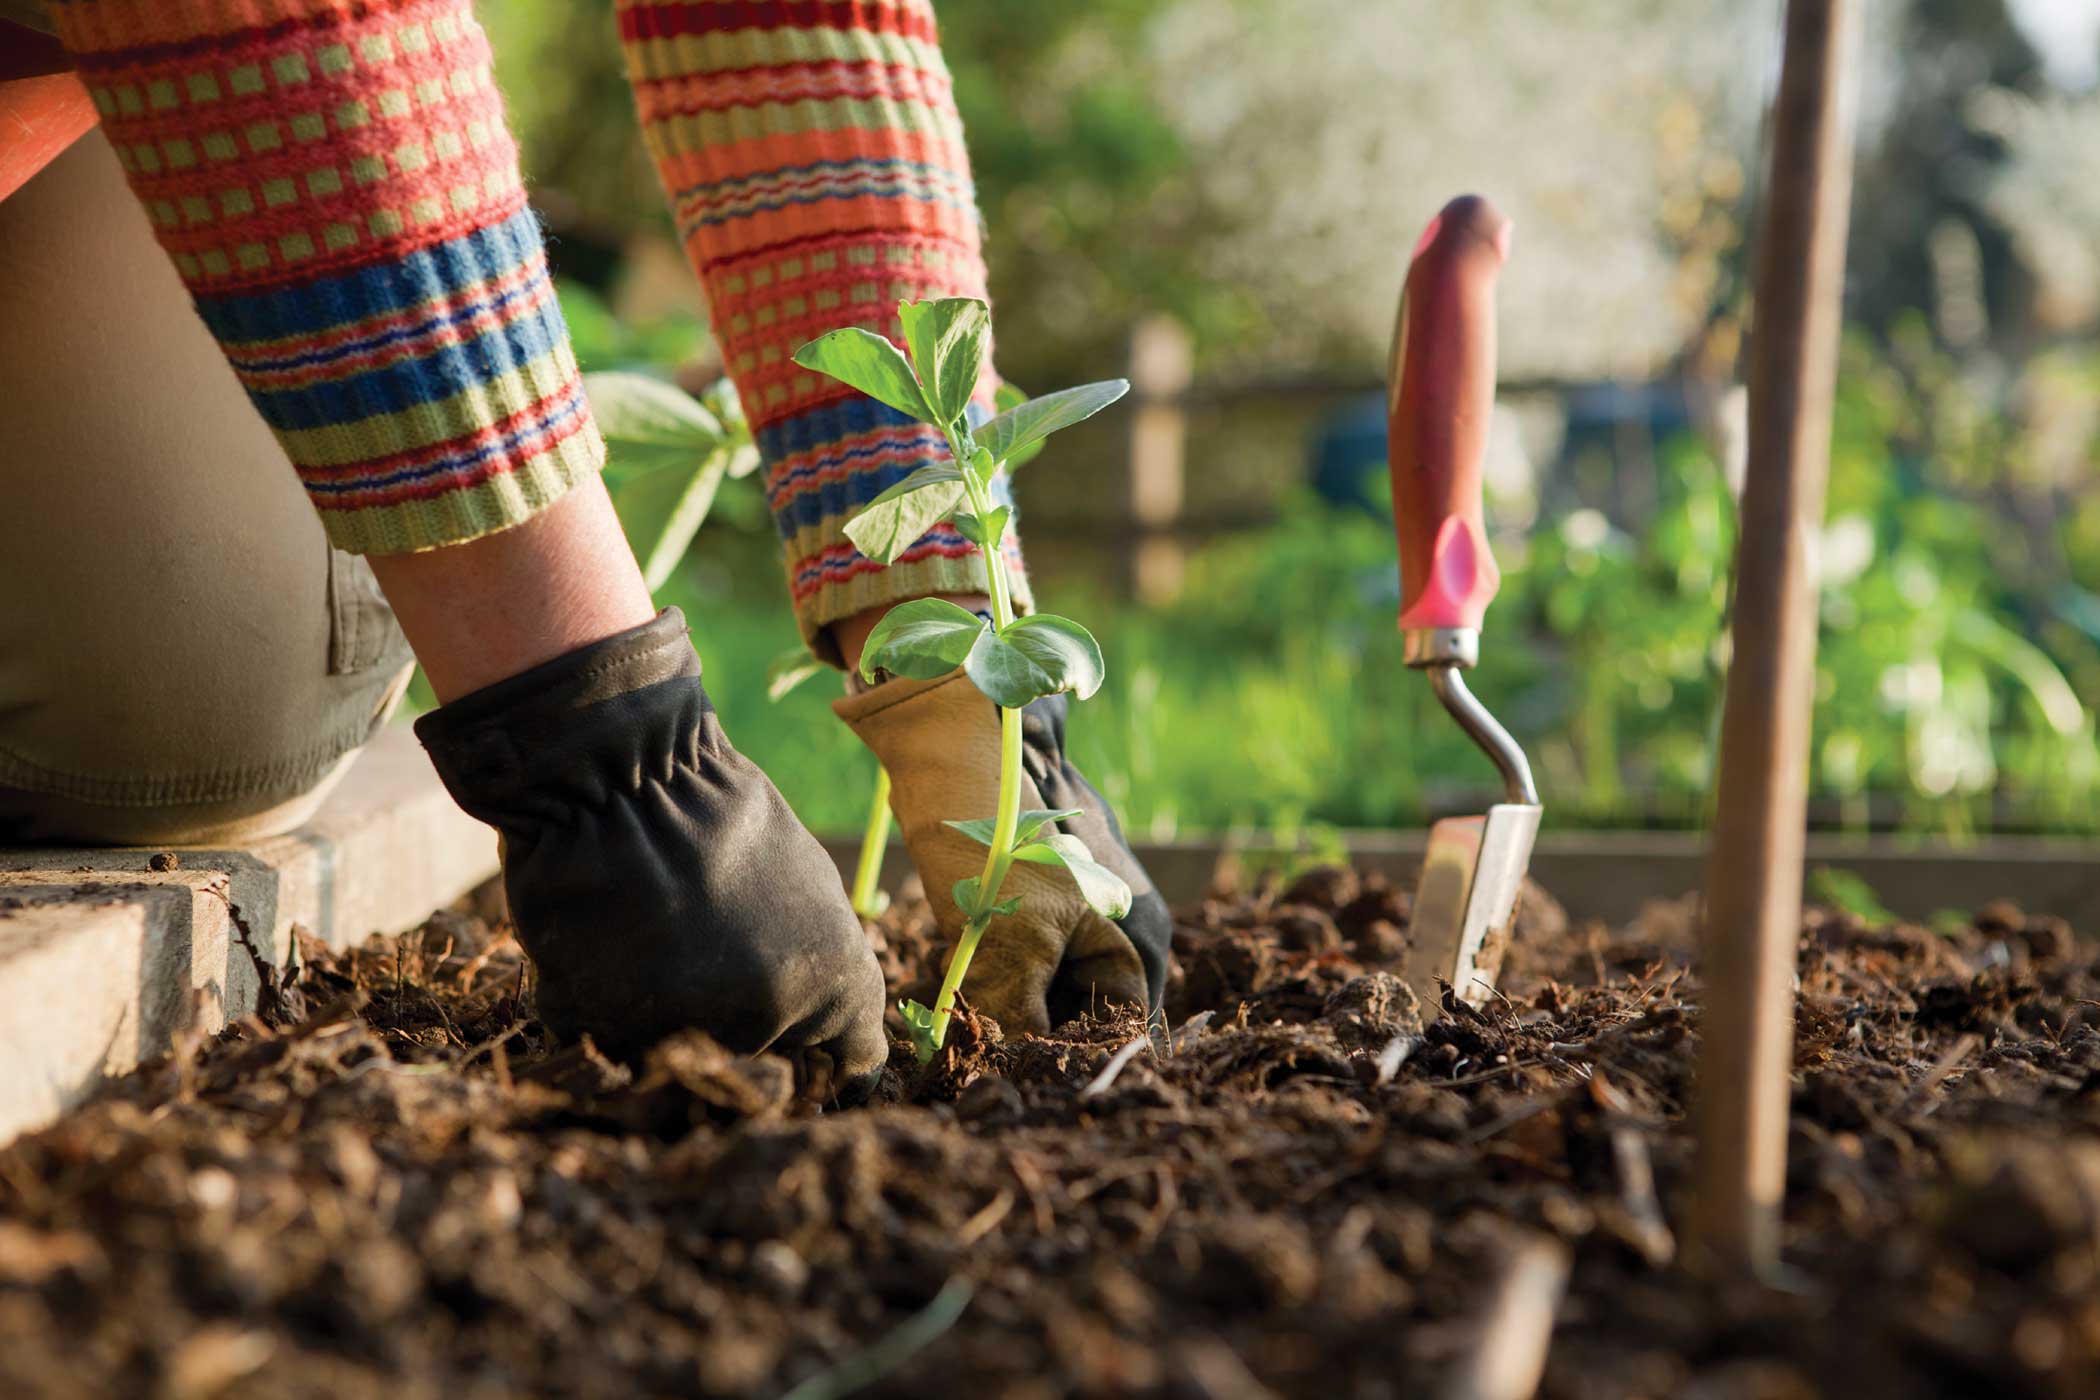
{"points": [[1161, 366]]}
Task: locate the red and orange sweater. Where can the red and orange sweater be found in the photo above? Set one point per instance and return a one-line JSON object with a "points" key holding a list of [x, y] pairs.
{"points": [[336, 184]]}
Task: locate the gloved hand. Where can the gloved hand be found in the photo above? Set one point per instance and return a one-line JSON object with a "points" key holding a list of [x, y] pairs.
{"points": [[1055, 957], [656, 877]]}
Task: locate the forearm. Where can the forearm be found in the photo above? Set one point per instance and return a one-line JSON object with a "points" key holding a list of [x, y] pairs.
{"points": [[480, 612]]}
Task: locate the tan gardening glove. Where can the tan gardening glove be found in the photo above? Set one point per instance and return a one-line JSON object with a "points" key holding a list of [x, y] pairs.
{"points": [[1053, 958]]}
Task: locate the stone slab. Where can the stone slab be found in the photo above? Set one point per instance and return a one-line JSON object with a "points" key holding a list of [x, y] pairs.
{"points": [[104, 958]]}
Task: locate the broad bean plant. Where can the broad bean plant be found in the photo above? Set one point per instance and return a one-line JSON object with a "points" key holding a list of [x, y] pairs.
{"points": [[1012, 660]]}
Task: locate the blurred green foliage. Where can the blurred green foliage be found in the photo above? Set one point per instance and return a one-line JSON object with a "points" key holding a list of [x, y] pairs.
{"points": [[1961, 613], [1273, 695]]}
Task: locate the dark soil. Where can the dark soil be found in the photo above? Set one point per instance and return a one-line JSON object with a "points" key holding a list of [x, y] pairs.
{"points": [[392, 1185]]}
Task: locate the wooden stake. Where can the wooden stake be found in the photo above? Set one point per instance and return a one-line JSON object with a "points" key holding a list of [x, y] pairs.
{"points": [[1753, 900]]}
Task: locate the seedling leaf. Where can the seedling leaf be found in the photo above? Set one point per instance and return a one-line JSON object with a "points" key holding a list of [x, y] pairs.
{"points": [[1005, 399], [1029, 423], [982, 829], [947, 350], [743, 460], [868, 362], [1103, 889], [985, 532], [1006, 673], [1063, 649], [918, 1024], [965, 893], [983, 465], [640, 411], [894, 520], [922, 639], [687, 515], [788, 670]]}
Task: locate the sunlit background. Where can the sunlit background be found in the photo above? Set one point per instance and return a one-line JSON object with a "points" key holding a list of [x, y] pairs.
{"points": [[1245, 177]]}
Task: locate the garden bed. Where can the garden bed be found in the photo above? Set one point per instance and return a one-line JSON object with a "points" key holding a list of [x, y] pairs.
{"points": [[390, 1184]]}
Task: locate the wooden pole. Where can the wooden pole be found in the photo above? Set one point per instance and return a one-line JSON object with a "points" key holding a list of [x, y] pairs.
{"points": [[1753, 897], [1162, 364]]}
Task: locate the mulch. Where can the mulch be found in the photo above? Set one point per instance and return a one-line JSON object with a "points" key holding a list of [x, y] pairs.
{"points": [[391, 1183]]}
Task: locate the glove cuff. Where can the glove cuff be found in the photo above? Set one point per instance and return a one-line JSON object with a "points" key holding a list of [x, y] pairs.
{"points": [[574, 726]]}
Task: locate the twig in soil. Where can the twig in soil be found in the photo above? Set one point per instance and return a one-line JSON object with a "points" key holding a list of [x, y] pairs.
{"points": [[1166, 1196], [491, 1045], [1031, 1179], [1395, 1055], [1629, 1150], [986, 1220], [878, 1359], [1937, 1075], [1510, 1354], [1114, 1067], [1530, 1109], [1188, 1028], [1220, 1374]]}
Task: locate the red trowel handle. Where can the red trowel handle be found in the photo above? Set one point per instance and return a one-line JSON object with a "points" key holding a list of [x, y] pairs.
{"points": [[1442, 389]]}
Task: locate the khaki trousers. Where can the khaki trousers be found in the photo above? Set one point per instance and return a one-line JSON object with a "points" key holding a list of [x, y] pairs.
{"points": [[183, 659]]}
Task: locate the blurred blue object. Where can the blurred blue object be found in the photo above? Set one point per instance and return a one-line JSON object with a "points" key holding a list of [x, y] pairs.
{"points": [[1348, 454], [1602, 416]]}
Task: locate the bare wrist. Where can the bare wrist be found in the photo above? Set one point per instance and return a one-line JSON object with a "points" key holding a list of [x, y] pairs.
{"points": [[481, 612]]}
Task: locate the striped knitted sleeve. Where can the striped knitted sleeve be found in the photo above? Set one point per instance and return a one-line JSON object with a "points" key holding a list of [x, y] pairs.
{"points": [[814, 163], [338, 189]]}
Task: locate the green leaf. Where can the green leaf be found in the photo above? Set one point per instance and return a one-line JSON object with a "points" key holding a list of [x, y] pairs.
{"points": [[918, 1024], [1005, 399], [684, 521], [966, 899], [1103, 889], [1031, 422], [743, 460], [1006, 673], [986, 532], [983, 466], [1063, 651], [1034, 657], [947, 349], [981, 829], [788, 670], [1846, 891], [869, 363], [894, 520], [922, 639], [636, 410]]}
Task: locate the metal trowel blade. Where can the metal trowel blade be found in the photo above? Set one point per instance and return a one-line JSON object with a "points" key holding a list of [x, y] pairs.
{"points": [[1467, 900]]}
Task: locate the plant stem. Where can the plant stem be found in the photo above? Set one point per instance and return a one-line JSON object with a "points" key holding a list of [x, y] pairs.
{"points": [[1000, 858], [997, 862], [868, 875]]}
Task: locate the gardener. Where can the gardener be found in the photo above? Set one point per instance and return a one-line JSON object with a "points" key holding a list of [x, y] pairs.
{"points": [[188, 655]]}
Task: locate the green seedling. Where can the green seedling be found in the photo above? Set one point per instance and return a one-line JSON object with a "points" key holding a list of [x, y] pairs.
{"points": [[670, 453], [1013, 660], [791, 669]]}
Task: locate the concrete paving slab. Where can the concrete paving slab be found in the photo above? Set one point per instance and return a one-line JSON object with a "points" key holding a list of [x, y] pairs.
{"points": [[104, 957]]}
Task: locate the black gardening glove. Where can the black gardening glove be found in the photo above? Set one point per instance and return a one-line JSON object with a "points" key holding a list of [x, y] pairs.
{"points": [[1148, 925], [656, 877]]}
